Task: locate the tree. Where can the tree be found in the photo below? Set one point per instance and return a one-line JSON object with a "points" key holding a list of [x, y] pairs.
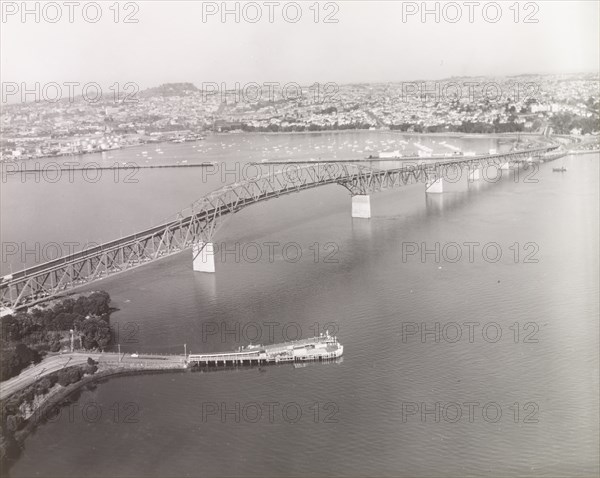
{"points": [[91, 369], [10, 328], [5, 363], [96, 303], [95, 332], [55, 344], [14, 422], [26, 355], [43, 386], [68, 376], [64, 321], [12, 361]]}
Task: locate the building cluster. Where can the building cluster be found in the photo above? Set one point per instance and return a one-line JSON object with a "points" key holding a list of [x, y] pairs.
{"points": [[182, 112]]}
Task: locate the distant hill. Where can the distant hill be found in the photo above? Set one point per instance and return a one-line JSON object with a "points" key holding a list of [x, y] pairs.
{"points": [[170, 89]]}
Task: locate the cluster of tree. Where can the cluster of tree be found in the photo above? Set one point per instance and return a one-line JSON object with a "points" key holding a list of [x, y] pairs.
{"points": [[593, 104], [275, 128], [12, 415], [564, 122], [95, 332], [69, 375], [465, 127], [15, 359], [63, 377], [64, 316], [27, 334], [487, 106]]}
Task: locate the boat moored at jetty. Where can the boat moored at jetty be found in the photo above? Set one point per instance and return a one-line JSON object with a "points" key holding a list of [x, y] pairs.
{"points": [[323, 347]]}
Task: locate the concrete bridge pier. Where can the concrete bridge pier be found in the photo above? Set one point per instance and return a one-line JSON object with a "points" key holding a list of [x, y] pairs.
{"points": [[474, 174], [203, 254], [361, 206], [506, 168]]}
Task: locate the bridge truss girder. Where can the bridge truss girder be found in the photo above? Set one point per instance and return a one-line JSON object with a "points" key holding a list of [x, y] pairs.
{"points": [[41, 282]]}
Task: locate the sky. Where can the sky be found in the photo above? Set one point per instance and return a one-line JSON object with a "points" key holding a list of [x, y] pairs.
{"points": [[387, 41]]}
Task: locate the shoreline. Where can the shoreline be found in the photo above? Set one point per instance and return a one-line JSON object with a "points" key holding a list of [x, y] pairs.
{"points": [[60, 398], [377, 131], [451, 134], [86, 153], [583, 151]]}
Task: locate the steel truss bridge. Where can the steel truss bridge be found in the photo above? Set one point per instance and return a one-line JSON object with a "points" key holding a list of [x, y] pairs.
{"points": [[197, 224]]}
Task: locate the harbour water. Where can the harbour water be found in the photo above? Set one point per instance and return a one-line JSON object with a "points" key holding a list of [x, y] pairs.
{"points": [[522, 373]]}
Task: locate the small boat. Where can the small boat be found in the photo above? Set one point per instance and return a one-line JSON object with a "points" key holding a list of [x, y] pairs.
{"points": [[559, 170]]}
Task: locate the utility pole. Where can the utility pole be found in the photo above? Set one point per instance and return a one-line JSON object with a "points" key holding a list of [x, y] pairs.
{"points": [[185, 350], [119, 345]]}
